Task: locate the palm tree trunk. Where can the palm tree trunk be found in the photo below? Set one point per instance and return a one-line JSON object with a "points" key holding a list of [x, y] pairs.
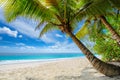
{"points": [[115, 35], [104, 68]]}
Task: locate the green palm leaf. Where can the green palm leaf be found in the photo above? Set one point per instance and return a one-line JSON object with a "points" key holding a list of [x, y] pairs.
{"points": [[28, 8], [48, 27], [90, 8], [83, 31], [115, 3]]}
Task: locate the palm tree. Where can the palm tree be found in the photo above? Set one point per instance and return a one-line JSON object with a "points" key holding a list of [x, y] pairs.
{"points": [[111, 29], [96, 10], [98, 34], [58, 14]]}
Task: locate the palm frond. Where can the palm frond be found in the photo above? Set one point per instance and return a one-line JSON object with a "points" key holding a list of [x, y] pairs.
{"points": [[83, 31], [83, 8], [115, 3], [39, 25], [2, 2], [53, 5], [78, 15], [91, 8], [28, 8], [96, 29], [48, 27]]}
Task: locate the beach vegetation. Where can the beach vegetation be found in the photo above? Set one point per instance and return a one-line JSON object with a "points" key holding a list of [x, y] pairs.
{"points": [[104, 43], [96, 11], [104, 31]]}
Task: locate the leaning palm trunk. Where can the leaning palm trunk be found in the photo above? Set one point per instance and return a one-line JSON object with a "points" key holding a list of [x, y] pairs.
{"points": [[115, 35], [104, 68]]}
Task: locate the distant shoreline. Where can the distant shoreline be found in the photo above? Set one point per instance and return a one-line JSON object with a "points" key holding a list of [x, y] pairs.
{"points": [[7, 62]]}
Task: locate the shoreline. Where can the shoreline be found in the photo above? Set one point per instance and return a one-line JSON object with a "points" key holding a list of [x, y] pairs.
{"points": [[65, 69], [9, 62]]}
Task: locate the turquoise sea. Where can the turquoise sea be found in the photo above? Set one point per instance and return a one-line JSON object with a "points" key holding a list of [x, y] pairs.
{"points": [[45, 57], [40, 56]]}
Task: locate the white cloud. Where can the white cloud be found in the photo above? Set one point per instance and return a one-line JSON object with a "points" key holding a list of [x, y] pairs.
{"points": [[6, 30], [48, 38], [27, 47], [65, 47], [58, 47], [20, 44], [20, 36], [4, 47], [1, 38], [25, 28], [58, 35], [24, 46]]}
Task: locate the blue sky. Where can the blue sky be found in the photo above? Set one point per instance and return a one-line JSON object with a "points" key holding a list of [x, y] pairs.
{"points": [[20, 36]]}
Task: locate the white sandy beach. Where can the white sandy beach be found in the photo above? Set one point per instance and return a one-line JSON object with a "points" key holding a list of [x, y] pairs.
{"points": [[67, 69]]}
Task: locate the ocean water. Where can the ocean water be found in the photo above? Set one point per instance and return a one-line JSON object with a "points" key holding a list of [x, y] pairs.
{"points": [[41, 56], [5, 59]]}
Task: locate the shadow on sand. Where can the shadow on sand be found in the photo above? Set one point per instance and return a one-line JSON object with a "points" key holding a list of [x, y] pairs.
{"points": [[88, 73]]}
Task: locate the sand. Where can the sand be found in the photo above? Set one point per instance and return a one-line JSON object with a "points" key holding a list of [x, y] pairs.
{"points": [[65, 69]]}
